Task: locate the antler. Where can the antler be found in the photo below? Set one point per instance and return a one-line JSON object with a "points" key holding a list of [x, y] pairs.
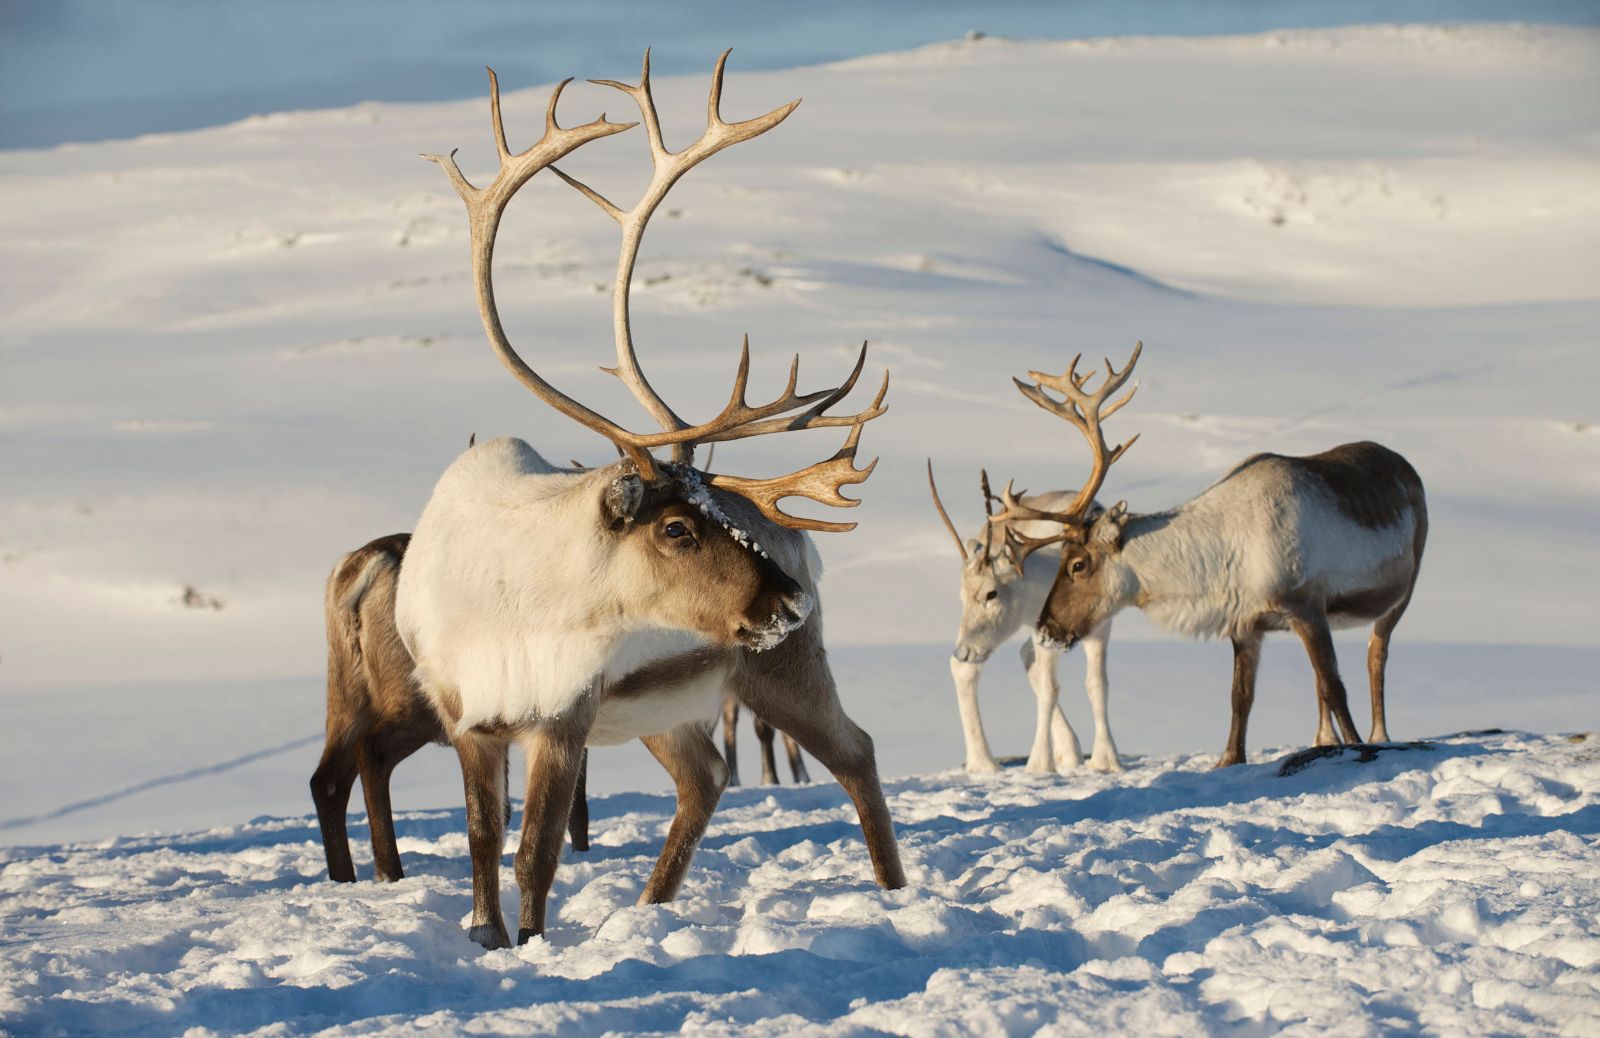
{"points": [[486, 205], [933, 488], [1087, 411], [738, 419], [667, 167]]}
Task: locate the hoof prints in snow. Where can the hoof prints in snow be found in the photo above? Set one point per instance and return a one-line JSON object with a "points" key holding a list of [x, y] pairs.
{"points": [[1447, 891]]}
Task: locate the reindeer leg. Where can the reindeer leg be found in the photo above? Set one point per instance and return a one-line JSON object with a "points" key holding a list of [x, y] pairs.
{"points": [[330, 791], [1105, 756], [1378, 660], [769, 762], [377, 755], [979, 759], [700, 776], [793, 687], [797, 760], [730, 737], [1246, 659], [555, 752], [483, 771], [1043, 758], [1312, 630], [578, 822]]}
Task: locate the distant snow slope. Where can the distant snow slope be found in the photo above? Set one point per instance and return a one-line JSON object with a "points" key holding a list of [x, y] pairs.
{"points": [[1447, 889]]}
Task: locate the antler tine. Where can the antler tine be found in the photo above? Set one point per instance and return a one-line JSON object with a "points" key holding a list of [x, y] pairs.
{"points": [[1086, 410], [1023, 545], [933, 488]]}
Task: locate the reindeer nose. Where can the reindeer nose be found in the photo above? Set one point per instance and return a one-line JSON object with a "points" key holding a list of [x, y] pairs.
{"points": [[967, 654], [794, 608]]}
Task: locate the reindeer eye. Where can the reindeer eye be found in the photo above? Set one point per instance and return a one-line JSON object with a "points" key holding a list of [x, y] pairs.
{"points": [[1078, 565], [676, 529], [991, 596]]}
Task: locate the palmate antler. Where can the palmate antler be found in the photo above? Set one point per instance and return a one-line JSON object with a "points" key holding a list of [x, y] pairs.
{"points": [[1085, 410], [738, 419]]}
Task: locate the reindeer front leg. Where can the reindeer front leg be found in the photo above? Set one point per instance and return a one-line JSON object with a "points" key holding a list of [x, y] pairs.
{"points": [[555, 751], [1104, 756], [1054, 742], [965, 673], [483, 770]]}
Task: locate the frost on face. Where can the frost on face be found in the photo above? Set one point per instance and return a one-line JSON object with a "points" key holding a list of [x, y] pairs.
{"points": [[780, 625], [697, 494]]}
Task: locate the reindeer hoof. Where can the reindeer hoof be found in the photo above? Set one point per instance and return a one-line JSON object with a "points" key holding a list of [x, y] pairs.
{"points": [[524, 936], [490, 936], [1228, 760]]}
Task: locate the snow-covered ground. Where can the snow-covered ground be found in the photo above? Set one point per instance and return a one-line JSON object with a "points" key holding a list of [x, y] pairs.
{"points": [[1449, 889], [227, 356]]}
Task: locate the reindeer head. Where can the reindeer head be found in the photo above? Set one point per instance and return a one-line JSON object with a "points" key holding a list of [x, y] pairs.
{"points": [[991, 605], [1086, 590], [689, 558], [691, 567]]}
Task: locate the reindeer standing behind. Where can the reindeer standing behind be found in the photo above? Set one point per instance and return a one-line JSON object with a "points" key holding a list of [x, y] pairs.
{"points": [[557, 609], [1000, 595], [1301, 544]]}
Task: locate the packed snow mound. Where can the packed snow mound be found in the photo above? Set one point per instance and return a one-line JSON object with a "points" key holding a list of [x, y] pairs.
{"points": [[1447, 887]]}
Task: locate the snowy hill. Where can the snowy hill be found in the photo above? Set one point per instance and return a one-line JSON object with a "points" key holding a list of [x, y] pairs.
{"points": [[228, 356]]}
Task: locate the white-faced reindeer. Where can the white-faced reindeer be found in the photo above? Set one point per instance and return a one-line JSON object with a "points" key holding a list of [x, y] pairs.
{"points": [[1002, 594], [1303, 544], [559, 608]]}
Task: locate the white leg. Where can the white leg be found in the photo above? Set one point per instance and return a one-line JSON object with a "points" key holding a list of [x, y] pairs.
{"points": [[1051, 749], [1104, 756], [979, 759]]}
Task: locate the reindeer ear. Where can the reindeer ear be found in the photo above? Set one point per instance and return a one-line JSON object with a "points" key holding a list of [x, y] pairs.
{"points": [[974, 548], [623, 493], [1107, 530]]}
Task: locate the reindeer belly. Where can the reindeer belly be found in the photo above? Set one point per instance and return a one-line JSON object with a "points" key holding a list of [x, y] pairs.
{"points": [[662, 696], [1361, 607]]}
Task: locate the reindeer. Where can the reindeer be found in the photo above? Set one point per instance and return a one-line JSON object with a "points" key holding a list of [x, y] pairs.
{"points": [[559, 608], [1303, 544], [377, 717], [999, 596]]}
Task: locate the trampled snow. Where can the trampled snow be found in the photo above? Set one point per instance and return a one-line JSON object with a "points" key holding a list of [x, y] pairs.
{"points": [[1446, 888], [230, 355]]}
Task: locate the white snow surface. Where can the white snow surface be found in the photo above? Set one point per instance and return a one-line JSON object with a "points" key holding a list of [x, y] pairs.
{"points": [[229, 356], [1440, 889]]}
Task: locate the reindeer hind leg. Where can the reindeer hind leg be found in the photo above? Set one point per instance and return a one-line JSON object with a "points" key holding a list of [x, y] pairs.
{"points": [[700, 776], [331, 784]]}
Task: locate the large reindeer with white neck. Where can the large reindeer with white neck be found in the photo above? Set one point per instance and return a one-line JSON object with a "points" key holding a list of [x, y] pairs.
{"points": [[559, 608], [1303, 544], [1001, 594]]}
